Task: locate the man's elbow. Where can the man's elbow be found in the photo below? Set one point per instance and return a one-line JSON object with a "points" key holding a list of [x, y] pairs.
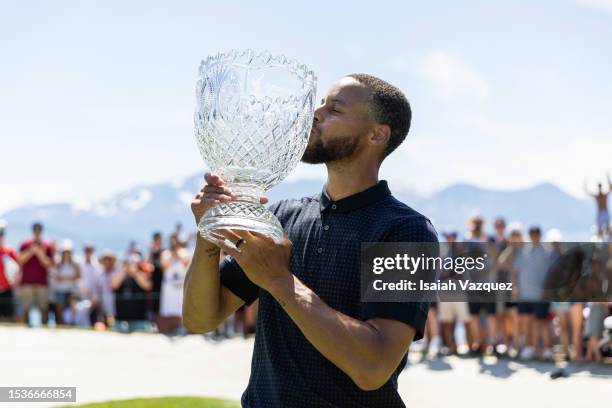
{"points": [[371, 379], [197, 326]]}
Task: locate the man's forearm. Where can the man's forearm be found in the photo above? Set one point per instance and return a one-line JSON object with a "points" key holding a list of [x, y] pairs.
{"points": [[25, 256], [352, 345], [44, 259], [201, 305], [117, 279], [143, 281]]}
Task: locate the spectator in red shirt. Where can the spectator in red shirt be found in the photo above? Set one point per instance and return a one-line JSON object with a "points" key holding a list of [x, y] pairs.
{"points": [[6, 286], [36, 257]]}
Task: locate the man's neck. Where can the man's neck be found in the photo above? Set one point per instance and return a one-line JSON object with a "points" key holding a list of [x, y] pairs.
{"points": [[344, 180]]}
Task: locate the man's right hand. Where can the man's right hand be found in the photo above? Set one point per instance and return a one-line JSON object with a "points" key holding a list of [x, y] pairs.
{"points": [[214, 192], [37, 249]]}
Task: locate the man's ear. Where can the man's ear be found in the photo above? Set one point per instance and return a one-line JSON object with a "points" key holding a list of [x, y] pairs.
{"points": [[380, 135]]}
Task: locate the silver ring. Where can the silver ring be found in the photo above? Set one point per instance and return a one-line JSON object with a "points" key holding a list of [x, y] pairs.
{"points": [[238, 243]]}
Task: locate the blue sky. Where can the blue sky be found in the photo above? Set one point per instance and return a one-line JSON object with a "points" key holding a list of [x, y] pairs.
{"points": [[96, 97]]}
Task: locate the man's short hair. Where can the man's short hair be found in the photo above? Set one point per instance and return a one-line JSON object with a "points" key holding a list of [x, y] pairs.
{"points": [[501, 221], [535, 230], [37, 226], [389, 106]]}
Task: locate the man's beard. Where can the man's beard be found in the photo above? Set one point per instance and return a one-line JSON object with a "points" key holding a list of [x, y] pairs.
{"points": [[336, 149]]}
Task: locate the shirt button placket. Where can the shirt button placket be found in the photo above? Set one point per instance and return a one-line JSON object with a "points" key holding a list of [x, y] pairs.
{"points": [[323, 238]]}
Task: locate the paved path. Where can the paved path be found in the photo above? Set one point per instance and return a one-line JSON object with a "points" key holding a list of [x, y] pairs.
{"points": [[109, 365]]}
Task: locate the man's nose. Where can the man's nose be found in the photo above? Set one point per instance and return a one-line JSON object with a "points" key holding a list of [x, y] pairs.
{"points": [[318, 114]]}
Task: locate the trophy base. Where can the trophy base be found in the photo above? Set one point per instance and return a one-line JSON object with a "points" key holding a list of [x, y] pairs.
{"points": [[243, 215]]}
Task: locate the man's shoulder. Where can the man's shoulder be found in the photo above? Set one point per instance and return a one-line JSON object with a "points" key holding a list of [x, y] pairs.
{"points": [[94, 263], [405, 222], [398, 208], [292, 205], [401, 212], [25, 244], [392, 215]]}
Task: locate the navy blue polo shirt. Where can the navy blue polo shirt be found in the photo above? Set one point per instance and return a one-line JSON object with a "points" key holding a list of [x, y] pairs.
{"points": [[286, 370]]}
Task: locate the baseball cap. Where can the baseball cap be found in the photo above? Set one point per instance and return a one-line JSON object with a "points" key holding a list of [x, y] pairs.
{"points": [[107, 253], [66, 246]]}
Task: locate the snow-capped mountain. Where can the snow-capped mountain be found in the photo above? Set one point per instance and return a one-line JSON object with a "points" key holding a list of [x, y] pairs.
{"points": [[135, 214]]}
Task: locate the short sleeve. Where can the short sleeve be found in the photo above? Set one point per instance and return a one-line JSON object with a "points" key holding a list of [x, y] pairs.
{"points": [[411, 313], [234, 278], [13, 254]]}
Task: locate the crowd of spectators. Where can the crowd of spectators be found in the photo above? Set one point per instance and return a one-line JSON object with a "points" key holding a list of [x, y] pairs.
{"points": [[140, 291], [526, 325], [105, 290]]}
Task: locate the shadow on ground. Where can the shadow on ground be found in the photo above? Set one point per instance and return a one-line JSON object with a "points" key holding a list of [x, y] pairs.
{"points": [[505, 368]]}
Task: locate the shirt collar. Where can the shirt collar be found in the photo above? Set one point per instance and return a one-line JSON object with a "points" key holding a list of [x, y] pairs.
{"points": [[355, 201]]}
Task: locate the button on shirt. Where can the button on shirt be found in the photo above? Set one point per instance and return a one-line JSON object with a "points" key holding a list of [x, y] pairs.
{"points": [[286, 369]]}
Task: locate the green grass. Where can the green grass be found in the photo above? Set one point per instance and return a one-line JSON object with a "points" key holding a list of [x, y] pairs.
{"points": [[165, 402]]}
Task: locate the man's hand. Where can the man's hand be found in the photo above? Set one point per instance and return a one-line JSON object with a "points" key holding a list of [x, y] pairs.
{"points": [[41, 253], [36, 248], [214, 192], [132, 270], [264, 261]]}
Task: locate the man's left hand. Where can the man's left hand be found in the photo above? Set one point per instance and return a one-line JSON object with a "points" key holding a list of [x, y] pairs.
{"points": [[264, 261]]}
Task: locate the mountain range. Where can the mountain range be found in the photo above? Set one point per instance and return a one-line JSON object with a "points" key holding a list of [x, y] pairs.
{"points": [[134, 214]]}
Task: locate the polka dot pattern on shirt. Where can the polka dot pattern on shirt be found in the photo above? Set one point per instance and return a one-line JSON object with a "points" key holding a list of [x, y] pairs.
{"points": [[286, 369]]}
